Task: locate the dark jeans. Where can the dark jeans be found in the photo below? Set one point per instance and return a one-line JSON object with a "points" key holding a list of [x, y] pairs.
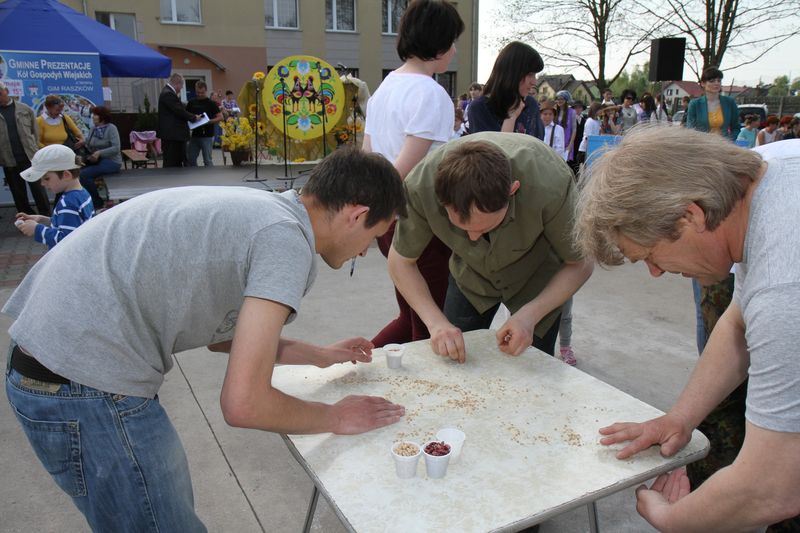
{"points": [[17, 186], [460, 312], [174, 153], [103, 167]]}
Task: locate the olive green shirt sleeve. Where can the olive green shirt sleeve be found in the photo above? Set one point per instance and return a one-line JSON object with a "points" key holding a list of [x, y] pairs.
{"points": [[412, 233], [559, 219]]}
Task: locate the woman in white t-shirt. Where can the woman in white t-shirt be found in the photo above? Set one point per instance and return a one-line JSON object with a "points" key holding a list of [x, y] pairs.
{"points": [[409, 115]]}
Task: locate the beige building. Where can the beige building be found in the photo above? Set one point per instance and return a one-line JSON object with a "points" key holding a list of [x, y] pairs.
{"points": [[224, 42]]}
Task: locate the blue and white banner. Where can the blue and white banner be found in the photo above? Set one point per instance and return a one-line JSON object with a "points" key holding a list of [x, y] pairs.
{"points": [[75, 77]]}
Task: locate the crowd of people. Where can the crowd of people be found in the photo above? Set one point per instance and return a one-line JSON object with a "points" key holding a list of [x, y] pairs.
{"points": [[486, 206]]}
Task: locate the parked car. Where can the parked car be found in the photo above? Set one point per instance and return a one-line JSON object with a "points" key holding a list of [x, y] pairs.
{"points": [[753, 109], [677, 118]]}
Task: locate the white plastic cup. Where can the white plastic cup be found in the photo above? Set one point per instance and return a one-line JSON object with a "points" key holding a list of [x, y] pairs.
{"points": [[455, 438], [436, 465], [406, 465], [394, 355]]}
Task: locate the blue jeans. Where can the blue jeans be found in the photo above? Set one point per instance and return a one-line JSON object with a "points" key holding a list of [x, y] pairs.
{"points": [[103, 167], [195, 146], [461, 313], [118, 457]]}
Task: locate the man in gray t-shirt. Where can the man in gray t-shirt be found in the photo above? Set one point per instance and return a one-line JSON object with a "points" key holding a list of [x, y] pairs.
{"points": [[719, 205], [99, 317]]}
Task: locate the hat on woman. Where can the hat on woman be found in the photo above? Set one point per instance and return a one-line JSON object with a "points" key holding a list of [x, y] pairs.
{"points": [[547, 104], [605, 108], [565, 95]]}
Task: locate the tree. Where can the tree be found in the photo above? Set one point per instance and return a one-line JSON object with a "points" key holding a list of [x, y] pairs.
{"points": [[580, 34], [744, 30], [638, 81], [780, 87]]}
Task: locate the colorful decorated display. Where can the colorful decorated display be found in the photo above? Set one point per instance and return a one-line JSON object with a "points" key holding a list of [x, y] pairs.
{"points": [[304, 91]]}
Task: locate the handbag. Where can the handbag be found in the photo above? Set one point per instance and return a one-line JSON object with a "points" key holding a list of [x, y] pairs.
{"points": [[84, 152], [71, 139]]}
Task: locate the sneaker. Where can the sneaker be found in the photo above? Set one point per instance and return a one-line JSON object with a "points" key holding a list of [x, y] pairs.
{"points": [[567, 355]]}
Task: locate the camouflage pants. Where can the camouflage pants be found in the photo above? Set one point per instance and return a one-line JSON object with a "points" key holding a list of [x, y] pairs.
{"points": [[725, 425]]}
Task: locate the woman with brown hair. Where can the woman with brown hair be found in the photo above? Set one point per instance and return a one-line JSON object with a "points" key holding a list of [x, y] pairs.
{"points": [[506, 104], [104, 156], [54, 125]]}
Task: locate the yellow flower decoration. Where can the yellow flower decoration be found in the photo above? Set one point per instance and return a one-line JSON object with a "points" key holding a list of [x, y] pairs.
{"points": [[262, 129], [252, 109], [259, 75]]}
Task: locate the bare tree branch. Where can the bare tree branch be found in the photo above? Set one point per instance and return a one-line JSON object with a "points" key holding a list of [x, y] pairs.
{"points": [[715, 27], [579, 34]]}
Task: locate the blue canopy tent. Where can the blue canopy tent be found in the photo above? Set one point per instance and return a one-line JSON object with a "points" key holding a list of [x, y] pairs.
{"points": [[47, 25]]}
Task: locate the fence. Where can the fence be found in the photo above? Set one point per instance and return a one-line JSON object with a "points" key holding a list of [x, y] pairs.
{"points": [[776, 105]]}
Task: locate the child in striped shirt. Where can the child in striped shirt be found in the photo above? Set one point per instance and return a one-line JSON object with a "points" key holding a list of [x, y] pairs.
{"points": [[58, 168]]}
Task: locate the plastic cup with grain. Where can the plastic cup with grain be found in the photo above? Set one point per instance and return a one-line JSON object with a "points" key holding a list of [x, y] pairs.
{"points": [[394, 355], [437, 457], [406, 456], [455, 438]]}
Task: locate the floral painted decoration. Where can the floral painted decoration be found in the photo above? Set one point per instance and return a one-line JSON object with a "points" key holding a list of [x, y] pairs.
{"points": [[302, 91]]}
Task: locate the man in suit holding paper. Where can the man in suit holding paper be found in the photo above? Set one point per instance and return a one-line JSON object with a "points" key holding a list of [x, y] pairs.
{"points": [[173, 129]]}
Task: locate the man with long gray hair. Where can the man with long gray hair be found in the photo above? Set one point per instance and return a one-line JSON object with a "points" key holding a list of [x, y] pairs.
{"points": [[697, 215]]}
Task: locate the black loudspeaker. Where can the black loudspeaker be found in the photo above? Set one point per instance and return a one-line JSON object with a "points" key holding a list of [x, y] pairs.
{"points": [[666, 59]]}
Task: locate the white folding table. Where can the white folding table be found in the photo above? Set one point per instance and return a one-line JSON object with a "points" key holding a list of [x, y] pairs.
{"points": [[532, 448]]}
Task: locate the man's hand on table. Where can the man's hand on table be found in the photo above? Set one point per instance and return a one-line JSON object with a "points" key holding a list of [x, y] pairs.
{"points": [[357, 349], [654, 504], [358, 414], [515, 336], [669, 431], [447, 340]]}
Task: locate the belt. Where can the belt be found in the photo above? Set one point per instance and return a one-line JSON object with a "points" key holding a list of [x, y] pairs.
{"points": [[31, 368]]}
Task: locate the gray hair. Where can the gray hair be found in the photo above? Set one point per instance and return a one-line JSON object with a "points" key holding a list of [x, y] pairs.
{"points": [[642, 187], [175, 78]]}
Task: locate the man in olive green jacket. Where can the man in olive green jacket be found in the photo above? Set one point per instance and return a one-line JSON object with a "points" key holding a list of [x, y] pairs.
{"points": [[504, 204]]}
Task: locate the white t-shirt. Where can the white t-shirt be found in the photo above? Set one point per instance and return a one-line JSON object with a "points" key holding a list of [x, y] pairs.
{"points": [[555, 133], [768, 292], [592, 127], [164, 272], [408, 104]]}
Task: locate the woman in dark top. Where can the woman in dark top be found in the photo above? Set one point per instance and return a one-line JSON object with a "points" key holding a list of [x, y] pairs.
{"points": [[506, 104]]}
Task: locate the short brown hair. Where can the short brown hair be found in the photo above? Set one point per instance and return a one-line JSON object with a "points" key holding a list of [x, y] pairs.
{"points": [[711, 73], [350, 176], [200, 84], [102, 113], [639, 189], [52, 100], [428, 29], [474, 174], [772, 119]]}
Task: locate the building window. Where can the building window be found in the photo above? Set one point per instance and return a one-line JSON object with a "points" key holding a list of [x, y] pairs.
{"points": [[124, 23], [340, 15], [281, 14], [392, 13], [448, 81], [180, 12]]}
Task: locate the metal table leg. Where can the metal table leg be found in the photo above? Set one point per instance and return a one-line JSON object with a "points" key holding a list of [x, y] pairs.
{"points": [[593, 526], [312, 506]]}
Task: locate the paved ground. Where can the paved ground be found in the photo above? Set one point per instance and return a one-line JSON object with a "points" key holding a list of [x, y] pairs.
{"points": [[630, 330]]}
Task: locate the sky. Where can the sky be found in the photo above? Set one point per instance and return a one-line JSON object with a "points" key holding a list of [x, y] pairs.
{"points": [[768, 68]]}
